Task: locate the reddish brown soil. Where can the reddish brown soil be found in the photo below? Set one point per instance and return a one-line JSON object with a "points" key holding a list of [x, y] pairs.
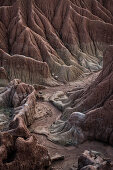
{"points": [[51, 37], [18, 148], [71, 153]]}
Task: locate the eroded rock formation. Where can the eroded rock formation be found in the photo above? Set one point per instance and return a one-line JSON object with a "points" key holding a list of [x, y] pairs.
{"points": [[18, 148], [3, 77], [88, 111], [65, 38], [26, 68], [41, 41], [92, 160]]}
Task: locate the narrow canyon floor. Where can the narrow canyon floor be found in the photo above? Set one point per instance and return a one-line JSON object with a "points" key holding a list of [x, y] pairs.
{"points": [[46, 115]]}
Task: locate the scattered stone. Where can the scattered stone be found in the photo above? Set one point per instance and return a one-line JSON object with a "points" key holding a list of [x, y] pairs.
{"points": [[39, 87], [57, 157], [92, 160], [56, 77]]}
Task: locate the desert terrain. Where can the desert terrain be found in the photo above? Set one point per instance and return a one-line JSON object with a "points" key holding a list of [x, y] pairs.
{"points": [[56, 85]]}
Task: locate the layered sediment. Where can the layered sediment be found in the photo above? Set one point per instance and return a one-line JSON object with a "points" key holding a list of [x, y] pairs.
{"points": [[62, 39], [45, 42], [18, 148], [87, 111]]}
